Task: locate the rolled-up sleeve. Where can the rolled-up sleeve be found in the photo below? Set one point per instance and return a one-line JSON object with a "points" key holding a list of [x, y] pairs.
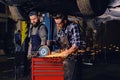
{"points": [[75, 40]]}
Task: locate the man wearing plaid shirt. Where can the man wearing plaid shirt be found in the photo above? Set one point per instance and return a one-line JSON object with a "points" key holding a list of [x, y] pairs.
{"points": [[68, 36]]}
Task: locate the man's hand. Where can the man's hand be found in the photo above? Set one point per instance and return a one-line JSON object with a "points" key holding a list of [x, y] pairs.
{"points": [[63, 54], [29, 57]]}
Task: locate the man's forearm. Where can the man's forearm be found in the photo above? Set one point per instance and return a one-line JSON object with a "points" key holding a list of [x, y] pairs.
{"points": [[29, 49], [72, 49]]}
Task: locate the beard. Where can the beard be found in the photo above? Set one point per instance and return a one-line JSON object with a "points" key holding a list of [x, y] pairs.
{"points": [[36, 24], [60, 25]]}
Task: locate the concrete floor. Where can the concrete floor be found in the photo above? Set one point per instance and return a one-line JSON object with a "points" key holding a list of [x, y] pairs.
{"points": [[97, 71]]}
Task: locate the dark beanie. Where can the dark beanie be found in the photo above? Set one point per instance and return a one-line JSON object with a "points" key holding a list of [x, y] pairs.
{"points": [[33, 13], [59, 15]]}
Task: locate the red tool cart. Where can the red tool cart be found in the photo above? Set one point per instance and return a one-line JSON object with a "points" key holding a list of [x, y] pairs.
{"points": [[47, 69]]}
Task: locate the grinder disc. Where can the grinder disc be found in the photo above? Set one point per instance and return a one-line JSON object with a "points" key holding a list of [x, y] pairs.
{"points": [[43, 51]]}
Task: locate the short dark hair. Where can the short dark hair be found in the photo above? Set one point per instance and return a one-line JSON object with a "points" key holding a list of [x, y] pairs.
{"points": [[59, 15], [33, 13]]}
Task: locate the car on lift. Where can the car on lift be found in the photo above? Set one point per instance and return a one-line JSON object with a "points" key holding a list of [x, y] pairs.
{"points": [[83, 8]]}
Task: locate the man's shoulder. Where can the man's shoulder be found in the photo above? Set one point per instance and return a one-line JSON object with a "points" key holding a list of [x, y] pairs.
{"points": [[41, 24], [42, 28], [72, 24]]}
